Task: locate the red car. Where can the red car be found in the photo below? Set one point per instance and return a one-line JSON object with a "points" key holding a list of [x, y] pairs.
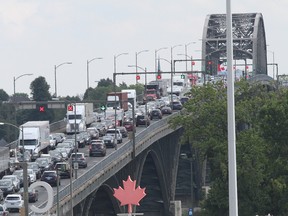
{"points": [[129, 126]]}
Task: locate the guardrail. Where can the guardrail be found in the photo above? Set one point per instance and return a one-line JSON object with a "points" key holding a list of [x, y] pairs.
{"points": [[110, 159]]}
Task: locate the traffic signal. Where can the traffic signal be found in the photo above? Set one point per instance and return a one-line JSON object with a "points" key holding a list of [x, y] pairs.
{"points": [[182, 76], [159, 76], [41, 108], [137, 77], [70, 107], [103, 107], [209, 67]]}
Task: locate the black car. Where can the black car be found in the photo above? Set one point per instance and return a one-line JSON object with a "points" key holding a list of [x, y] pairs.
{"points": [[87, 138], [142, 120], [56, 156], [101, 127], [64, 170], [97, 147], [155, 113], [184, 100], [32, 194], [50, 177]]}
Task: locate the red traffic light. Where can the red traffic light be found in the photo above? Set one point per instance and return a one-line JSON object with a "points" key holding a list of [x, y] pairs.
{"points": [[41, 108], [158, 76], [70, 107], [137, 77], [193, 62], [209, 62]]}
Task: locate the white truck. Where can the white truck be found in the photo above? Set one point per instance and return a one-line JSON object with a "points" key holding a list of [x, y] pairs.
{"points": [[36, 137], [78, 117], [131, 95]]}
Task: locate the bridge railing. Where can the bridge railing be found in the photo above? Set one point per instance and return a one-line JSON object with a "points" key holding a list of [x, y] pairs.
{"points": [[110, 159]]}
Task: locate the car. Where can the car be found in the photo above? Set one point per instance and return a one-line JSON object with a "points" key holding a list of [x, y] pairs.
{"points": [[64, 170], [52, 142], [56, 156], [166, 110], [111, 133], [13, 201], [156, 113], [176, 105], [48, 156], [80, 159], [27, 156], [44, 164], [81, 140], [19, 174], [32, 175], [50, 177], [3, 210], [15, 180], [94, 133], [100, 127], [69, 148], [35, 167], [129, 126], [123, 131], [184, 100], [63, 152], [97, 147], [6, 185], [32, 194], [87, 137], [142, 120]]}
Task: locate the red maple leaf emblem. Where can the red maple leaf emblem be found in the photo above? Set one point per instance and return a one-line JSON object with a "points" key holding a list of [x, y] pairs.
{"points": [[129, 195]]}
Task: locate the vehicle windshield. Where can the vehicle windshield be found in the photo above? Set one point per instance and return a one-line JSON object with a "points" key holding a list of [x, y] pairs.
{"points": [[29, 142], [5, 183]]}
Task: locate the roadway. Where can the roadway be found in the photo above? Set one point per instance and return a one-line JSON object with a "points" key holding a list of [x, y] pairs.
{"points": [[91, 161]]}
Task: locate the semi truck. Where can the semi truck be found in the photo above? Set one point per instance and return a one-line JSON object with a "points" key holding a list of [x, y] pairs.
{"points": [[117, 100], [156, 89], [78, 117], [5, 166], [132, 97], [36, 137]]}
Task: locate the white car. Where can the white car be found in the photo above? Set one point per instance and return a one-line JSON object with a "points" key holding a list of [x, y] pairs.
{"points": [[13, 201], [15, 180], [32, 175]]}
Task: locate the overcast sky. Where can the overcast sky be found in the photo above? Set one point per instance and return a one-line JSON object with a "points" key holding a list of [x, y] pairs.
{"points": [[36, 35]]}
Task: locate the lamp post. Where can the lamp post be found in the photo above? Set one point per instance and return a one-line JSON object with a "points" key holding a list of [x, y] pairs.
{"points": [[24, 165], [156, 56], [88, 62], [137, 53], [55, 69], [186, 45], [145, 70], [171, 77], [14, 79], [172, 70], [114, 89]]}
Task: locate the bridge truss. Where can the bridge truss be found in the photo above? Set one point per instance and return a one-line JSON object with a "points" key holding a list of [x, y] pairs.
{"points": [[249, 41]]}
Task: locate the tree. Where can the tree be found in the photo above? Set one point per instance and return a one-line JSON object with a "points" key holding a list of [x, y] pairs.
{"points": [[3, 95], [105, 83], [261, 120], [40, 89]]}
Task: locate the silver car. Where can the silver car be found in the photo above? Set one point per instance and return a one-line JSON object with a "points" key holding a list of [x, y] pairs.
{"points": [[15, 180]]}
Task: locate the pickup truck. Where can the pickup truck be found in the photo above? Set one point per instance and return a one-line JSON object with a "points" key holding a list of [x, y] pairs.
{"points": [[110, 135]]}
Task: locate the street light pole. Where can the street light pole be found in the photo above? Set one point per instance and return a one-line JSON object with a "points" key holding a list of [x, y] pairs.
{"points": [[186, 45], [172, 70], [114, 89], [14, 79], [137, 53], [24, 165], [88, 62], [156, 56], [55, 69]]}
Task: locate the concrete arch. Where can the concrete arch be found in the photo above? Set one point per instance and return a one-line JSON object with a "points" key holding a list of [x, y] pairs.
{"points": [[101, 202], [155, 182]]}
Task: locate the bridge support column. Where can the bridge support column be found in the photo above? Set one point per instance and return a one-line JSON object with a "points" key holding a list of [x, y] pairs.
{"points": [[176, 208]]}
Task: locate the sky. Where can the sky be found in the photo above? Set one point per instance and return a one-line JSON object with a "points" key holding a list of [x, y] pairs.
{"points": [[36, 36]]}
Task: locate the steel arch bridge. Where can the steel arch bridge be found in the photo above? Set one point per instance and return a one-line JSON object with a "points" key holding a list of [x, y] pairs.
{"points": [[249, 41]]}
